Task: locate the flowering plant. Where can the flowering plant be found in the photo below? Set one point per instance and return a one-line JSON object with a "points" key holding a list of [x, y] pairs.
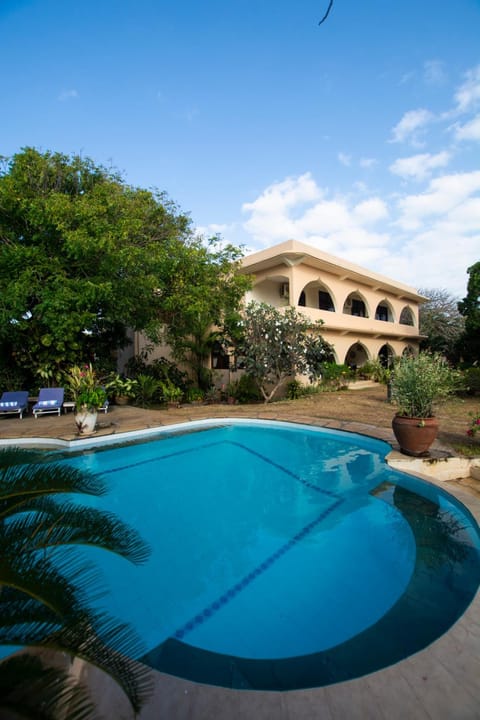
{"points": [[85, 389], [474, 425]]}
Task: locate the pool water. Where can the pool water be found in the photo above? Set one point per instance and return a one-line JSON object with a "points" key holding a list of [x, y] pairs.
{"points": [[282, 556]]}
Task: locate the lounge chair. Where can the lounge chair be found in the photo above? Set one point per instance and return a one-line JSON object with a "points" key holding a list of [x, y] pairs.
{"points": [[105, 406], [14, 402], [50, 400]]}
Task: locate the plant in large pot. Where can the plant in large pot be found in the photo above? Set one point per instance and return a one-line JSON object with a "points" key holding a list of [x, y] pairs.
{"points": [[418, 384], [122, 388], [88, 396]]}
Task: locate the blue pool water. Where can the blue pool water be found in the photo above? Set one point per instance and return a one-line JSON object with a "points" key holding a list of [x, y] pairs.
{"points": [[282, 556]]}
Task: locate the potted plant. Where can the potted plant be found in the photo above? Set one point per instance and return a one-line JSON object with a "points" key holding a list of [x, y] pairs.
{"points": [[88, 396], [122, 388], [418, 383], [171, 393]]}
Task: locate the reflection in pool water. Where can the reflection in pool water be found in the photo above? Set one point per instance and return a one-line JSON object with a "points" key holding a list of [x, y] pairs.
{"points": [[283, 557]]}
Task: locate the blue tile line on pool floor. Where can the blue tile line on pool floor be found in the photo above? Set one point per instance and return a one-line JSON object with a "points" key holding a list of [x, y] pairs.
{"points": [[226, 597], [264, 458], [208, 612]]}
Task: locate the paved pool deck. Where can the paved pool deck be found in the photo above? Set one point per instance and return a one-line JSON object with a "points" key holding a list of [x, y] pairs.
{"points": [[441, 682]]}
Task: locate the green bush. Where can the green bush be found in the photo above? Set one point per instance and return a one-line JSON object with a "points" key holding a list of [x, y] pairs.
{"points": [[247, 390], [147, 390], [335, 377], [471, 378], [419, 382]]}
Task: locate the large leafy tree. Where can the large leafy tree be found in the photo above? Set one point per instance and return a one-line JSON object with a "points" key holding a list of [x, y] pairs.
{"points": [[469, 307], [82, 256], [44, 590], [197, 319], [441, 322], [276, 345]]}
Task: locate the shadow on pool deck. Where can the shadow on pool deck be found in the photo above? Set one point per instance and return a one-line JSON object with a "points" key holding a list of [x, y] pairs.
{"points": [[441, 682]]}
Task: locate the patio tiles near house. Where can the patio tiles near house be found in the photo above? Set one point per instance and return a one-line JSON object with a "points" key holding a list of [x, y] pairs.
{"points": [[442, 682]]}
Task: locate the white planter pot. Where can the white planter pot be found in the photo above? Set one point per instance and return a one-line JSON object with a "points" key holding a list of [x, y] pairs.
{"points": [[86, 422]]}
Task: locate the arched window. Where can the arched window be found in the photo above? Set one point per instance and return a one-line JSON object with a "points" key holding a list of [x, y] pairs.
{"points": [[406, 317], [302, 299], [325, 301]]}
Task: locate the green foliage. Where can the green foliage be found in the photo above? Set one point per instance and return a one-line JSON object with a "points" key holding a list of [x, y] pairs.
{"points": [[471, 378], [276, 345], [83, 387], [419, 382], [202, 304], [83, 257], [335, 377], [170, 392], [469, 307], [147, 390], [160, 369], [375, 370], [294, 390], [247, 390], [117, 385], [194, 394], [44, 589]]}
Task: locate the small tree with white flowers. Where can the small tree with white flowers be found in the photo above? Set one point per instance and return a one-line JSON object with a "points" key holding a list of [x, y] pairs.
{"points": [[276, 345]]}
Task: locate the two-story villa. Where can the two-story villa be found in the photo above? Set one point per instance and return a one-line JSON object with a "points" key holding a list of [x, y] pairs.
{"points": [[366, 316]]}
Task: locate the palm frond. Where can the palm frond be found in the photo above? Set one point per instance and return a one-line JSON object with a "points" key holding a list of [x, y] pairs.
{"points": [[109, 645], [31, 690], [56, 523], [61, 585], [20, 483]]}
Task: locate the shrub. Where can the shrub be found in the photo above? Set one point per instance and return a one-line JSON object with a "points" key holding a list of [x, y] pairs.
{"points": [[471, 378], [418, 382], [335, 377], [247, 390], [147, 390]]}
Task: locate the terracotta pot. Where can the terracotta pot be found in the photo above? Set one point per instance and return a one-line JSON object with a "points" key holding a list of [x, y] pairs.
{"points": [[86, 422], [414, 435], [121, 399]]}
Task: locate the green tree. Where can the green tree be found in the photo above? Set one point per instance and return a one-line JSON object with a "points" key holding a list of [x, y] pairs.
{"points": [[82, 258], [277, 345], [469, 307], [202, 303], [441, 323], [44, 589]]}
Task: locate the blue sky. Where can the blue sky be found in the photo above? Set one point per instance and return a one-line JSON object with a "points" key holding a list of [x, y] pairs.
{"points": [[360, 136]]}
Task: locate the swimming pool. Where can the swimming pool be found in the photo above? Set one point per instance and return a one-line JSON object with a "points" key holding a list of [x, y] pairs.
{"points": [[283, 556]]}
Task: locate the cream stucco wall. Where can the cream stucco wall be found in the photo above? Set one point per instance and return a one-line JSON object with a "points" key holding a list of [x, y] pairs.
{"points": [[283, 272]]}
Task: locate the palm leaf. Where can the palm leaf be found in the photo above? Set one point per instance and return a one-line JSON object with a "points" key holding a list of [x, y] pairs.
{"points": [[29, 689], [67, 523]]}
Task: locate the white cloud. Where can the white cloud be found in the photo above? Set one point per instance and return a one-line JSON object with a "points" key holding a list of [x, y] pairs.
{"points": [[368, 162], [442, 196], [468, 94], [370, 211], [68, 95], [269, 213], [409, 127], [345, 159], [419, 166], [469, 131], [434, 72], [427, 239]]}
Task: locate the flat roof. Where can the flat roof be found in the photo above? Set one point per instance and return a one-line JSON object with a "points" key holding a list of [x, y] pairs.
{"points": [[293, 252]]}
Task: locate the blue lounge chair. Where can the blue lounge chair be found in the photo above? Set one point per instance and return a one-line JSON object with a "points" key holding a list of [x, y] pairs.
{"points": [[50, 400], [14, 402]]}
